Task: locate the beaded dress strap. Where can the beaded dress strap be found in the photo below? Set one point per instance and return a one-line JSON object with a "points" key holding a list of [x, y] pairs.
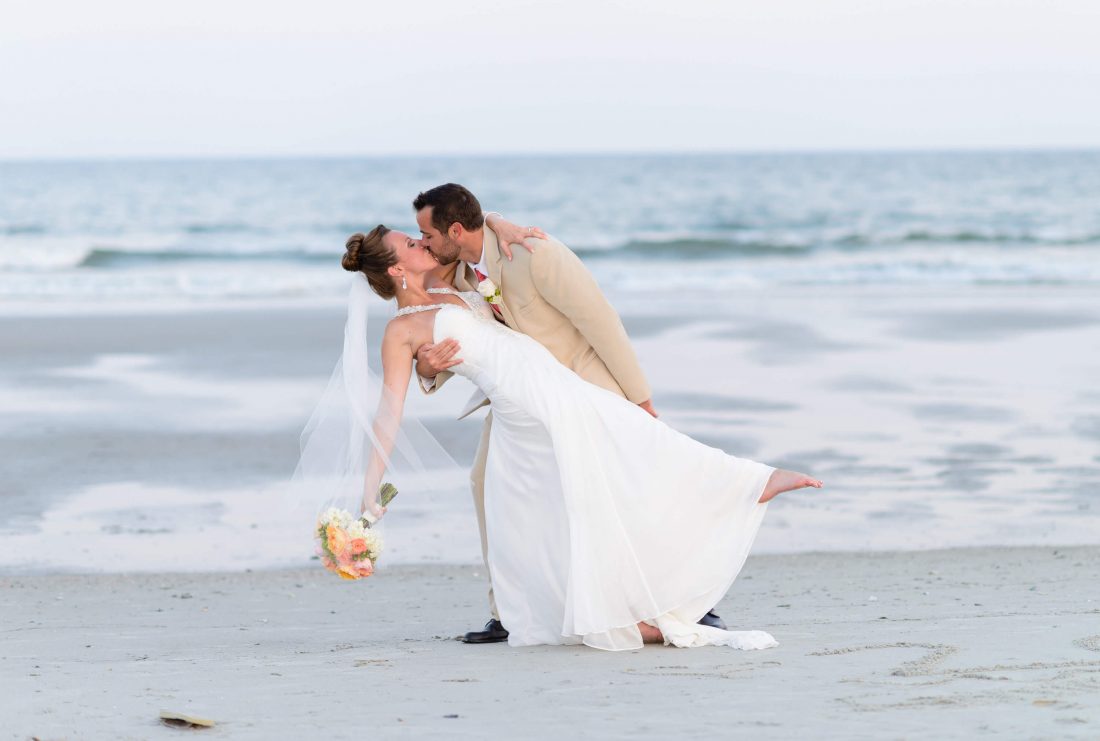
{"points": [[433, 307], [416, 309], [466, 296]]}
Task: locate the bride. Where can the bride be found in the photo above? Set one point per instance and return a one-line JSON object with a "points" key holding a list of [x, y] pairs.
{"points": [[605, 526]]}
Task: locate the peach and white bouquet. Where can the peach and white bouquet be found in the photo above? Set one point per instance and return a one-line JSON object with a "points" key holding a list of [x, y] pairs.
{"points": [[348, 546]]}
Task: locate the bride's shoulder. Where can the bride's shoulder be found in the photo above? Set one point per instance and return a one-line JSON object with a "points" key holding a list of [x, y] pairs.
{"points": [[400, 328]]}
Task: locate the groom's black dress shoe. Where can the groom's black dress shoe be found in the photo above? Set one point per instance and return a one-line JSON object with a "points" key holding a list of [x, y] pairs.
{"points": [[494, 633], [711, 620]]}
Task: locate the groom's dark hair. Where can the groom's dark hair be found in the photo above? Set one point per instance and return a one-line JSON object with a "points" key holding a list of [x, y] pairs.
{"points": [[450, 203]]}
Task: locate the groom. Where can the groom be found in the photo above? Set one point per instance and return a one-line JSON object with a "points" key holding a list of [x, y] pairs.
{"points": [[545, 292]]}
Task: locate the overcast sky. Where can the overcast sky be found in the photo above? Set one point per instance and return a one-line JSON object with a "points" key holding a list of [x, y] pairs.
{"points": [[242, 77]]}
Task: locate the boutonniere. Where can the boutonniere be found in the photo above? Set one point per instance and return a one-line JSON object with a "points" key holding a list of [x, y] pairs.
{"points": [[488, 289]]}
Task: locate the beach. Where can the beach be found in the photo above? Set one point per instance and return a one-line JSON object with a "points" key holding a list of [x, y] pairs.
{"points": [[883, 322], [941, 644]]}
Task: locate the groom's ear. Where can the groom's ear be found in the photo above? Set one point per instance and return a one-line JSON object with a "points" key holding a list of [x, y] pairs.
{"points": [[455, 230]]}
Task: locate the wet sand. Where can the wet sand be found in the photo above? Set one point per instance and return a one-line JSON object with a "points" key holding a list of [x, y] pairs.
{"points": [[936, 419]]}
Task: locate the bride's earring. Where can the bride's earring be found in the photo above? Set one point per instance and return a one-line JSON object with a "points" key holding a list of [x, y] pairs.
{"points": [[404, 284]]}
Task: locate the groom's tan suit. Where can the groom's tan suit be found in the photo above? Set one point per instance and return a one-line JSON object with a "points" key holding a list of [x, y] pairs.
{"points": [[551, 296]]}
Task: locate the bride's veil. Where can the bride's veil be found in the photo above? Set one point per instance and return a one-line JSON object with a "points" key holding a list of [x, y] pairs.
{"points": [[354, 428]]}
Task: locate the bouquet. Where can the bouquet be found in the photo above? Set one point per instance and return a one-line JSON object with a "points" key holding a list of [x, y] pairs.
{"points": [[349, 546]]}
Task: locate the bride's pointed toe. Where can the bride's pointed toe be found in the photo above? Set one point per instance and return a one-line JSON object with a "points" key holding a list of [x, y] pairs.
{"points": [[782, 481]]}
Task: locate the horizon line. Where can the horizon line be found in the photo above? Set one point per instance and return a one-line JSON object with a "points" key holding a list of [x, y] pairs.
{"points": [[478, 154]]}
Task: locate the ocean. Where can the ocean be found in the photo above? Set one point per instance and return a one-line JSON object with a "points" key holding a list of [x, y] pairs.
{"points": [[192, 232]]}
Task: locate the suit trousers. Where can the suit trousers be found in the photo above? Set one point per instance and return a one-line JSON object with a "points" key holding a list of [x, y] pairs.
{"points": [[477, 486]]}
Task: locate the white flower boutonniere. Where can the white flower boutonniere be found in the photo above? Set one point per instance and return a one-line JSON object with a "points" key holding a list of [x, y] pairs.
{"points": [[489, 290]]}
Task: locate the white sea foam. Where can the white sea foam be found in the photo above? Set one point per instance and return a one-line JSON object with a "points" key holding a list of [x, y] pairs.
{"points": [[40, 254]]}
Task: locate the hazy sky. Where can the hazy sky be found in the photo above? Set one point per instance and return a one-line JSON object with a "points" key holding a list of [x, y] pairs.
{"points": [[241, 77]]}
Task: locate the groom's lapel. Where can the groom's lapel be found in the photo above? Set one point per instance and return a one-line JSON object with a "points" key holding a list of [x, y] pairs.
{"points": [[494, 263], [465, 278]]}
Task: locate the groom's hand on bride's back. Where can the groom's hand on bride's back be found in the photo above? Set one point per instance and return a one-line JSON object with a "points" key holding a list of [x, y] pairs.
{"points": [[648, 406], [431, 360]]}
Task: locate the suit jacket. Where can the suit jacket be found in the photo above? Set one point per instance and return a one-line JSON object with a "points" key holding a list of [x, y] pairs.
{"points": [[551, 296]]}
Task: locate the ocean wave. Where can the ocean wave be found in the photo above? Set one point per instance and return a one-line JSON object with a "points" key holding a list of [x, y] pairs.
{"points": [[223, 228], [65, 254], [34, 252], [695, 248], [761, 244], [105, 257], [21, 229], [40, 254], [997, 238], [162, 278], [166, 283]]}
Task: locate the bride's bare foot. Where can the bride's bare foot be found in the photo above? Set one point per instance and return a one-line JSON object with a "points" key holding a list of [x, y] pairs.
{"points": [[782, 480], [650, 634]]}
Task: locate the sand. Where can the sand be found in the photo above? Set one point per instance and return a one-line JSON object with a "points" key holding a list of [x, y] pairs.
{"points": [[938, 644]]}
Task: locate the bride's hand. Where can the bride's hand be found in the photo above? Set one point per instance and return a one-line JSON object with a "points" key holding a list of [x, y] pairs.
{"points": [[509, 233], [373, 510]]}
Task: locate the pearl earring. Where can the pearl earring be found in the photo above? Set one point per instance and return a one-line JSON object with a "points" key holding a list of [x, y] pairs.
{"points": [[404, 284]]}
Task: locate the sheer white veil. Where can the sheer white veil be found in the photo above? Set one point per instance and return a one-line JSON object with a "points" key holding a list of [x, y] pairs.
{"points": [[357, 439]]}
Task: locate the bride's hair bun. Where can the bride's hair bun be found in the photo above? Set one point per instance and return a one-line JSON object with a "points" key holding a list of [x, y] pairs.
{"points": [[367, 254], [350, 260]]}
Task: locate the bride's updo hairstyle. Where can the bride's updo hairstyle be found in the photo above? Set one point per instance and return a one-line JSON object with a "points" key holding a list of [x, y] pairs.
{"points": [[366, 254]]}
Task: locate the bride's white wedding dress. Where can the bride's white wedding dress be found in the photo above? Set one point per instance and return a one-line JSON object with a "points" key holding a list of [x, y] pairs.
{"points": [[599, 516]]}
